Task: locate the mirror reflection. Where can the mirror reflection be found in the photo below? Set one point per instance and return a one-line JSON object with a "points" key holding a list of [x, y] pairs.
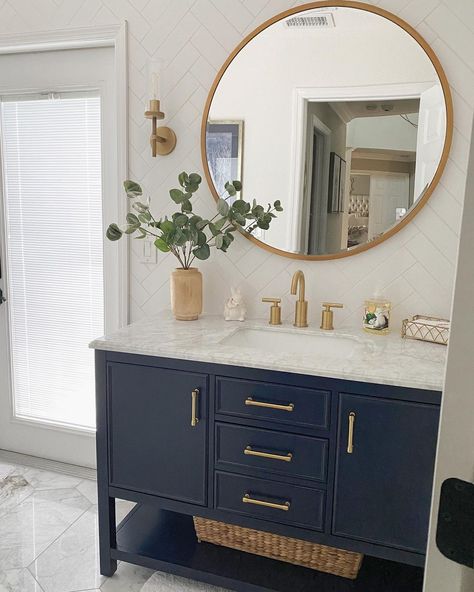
{"points": [[319, 111]]}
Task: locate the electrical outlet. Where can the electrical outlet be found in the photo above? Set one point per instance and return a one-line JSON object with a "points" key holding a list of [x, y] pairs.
{"points": [[149, 251]]}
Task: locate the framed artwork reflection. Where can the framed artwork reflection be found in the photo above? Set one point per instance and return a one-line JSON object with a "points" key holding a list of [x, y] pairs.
{"points": [[224, 141], [342, 185], [333, 189], [337, 181]]}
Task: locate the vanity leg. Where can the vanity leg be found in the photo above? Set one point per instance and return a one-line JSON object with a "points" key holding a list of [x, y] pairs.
{"points": [[107, 527], [107, 534]]}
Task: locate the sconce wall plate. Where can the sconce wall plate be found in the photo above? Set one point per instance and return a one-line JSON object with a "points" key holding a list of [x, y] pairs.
{"points": [[165, 142]]}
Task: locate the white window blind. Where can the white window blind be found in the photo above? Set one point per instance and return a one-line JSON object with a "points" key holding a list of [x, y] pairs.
{"points": [[51, 152]]}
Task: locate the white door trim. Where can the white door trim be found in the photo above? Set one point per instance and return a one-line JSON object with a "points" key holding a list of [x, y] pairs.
{"points": [[82, 38], [301, 96], [74, 38], [305, 207]]}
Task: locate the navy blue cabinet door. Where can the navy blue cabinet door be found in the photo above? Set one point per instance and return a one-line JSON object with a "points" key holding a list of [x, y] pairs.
{"points": [[383, 487], [153, 446]]}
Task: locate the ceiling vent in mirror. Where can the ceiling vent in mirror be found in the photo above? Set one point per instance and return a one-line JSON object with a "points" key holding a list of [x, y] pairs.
{"points": [[314, 20]]}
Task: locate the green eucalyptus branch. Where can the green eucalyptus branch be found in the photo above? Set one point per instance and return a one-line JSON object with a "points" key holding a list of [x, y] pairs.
{"points": [[189, 236]]}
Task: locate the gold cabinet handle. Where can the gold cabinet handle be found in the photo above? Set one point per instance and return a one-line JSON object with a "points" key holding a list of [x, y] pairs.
{"points": [[250, 401], [249, 500], [284, 457], [194, 400], [350, 435]]}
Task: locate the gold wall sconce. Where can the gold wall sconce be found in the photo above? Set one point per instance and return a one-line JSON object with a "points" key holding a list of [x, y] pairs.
{"points": [[162, 139]]}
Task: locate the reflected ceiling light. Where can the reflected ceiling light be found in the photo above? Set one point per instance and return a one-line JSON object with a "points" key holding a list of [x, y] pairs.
{"points": [[310, 20]]}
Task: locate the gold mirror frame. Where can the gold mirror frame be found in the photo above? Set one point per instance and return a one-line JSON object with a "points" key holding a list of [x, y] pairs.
{"points": [[447, 142]]}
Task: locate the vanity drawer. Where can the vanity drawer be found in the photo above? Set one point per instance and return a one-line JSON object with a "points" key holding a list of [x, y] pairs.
{"points": [[270, 500], [274, 452], [280, 404]]}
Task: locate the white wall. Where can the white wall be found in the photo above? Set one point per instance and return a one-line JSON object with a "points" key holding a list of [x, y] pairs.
{"points": [[258, 88], [386, 132], [331, 120], [415, 268]]}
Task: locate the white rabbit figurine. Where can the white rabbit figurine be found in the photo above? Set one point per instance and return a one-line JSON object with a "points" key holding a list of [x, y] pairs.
{"points": [[380, 321], [234, 308]]}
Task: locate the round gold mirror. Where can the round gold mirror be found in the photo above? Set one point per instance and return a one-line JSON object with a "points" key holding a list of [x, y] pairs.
{"points": [[342, 112]]}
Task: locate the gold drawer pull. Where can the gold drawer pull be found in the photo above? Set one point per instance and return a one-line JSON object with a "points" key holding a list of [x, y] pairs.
{"points": [[350, 436], [248, 500], [284, 457], [194, 398], [250, 401]]}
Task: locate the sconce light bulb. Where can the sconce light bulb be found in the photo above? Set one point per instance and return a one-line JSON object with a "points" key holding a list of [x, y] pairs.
{"points": [[155, 78], [155, 85]]}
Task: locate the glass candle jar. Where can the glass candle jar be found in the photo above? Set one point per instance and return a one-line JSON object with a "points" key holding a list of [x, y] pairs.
{"points": [[377, 316]]}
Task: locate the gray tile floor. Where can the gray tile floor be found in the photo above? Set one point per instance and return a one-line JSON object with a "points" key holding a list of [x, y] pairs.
{"points": [[49, 538]]}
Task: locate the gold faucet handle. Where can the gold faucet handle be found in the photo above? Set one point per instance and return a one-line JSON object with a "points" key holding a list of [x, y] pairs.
{"points": [[327, 316], [275, 310], [329, 305]]}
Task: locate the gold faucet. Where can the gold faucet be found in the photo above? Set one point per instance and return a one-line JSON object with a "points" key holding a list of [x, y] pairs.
{"points": [[301, 309]]}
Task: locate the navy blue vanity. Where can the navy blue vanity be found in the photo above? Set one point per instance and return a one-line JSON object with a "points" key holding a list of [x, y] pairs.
{"points": [[353, 462]]}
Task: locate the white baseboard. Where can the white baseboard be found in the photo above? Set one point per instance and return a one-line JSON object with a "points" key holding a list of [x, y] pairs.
{"points": [[47, 465]]}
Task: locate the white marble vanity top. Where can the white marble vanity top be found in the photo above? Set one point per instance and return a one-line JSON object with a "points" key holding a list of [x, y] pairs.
{"points": [[382, 359]]}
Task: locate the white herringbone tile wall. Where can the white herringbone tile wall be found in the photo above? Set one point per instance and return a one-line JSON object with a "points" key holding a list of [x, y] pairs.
{"points": [[415, 269]]}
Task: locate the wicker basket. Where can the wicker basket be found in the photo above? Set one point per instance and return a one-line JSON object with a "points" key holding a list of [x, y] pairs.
{"points": [[328, 559]]}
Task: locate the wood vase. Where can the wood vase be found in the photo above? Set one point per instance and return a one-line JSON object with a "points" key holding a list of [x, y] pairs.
{"points": [[186, 294]]}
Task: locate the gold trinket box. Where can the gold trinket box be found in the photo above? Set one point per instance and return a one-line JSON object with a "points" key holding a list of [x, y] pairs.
{"points": [[426, 328]]}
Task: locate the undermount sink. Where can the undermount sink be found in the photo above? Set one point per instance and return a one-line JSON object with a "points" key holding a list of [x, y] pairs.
{"points": [[300, 343]]}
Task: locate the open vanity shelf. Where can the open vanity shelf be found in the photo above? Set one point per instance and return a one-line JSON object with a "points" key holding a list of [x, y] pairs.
{"points": [[166, 541], [173, 434]]}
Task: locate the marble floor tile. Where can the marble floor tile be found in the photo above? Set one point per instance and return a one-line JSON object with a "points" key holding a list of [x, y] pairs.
{"points": [[32, 525], [18, 580], [14, 488], [161, 582], [88, 488], [71, 563], [128, 578], [48, 523], [40, 479], [6, 469], [122, 508]]}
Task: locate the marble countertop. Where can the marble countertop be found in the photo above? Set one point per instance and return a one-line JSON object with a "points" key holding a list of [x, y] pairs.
{"points": [[381, 359]]}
